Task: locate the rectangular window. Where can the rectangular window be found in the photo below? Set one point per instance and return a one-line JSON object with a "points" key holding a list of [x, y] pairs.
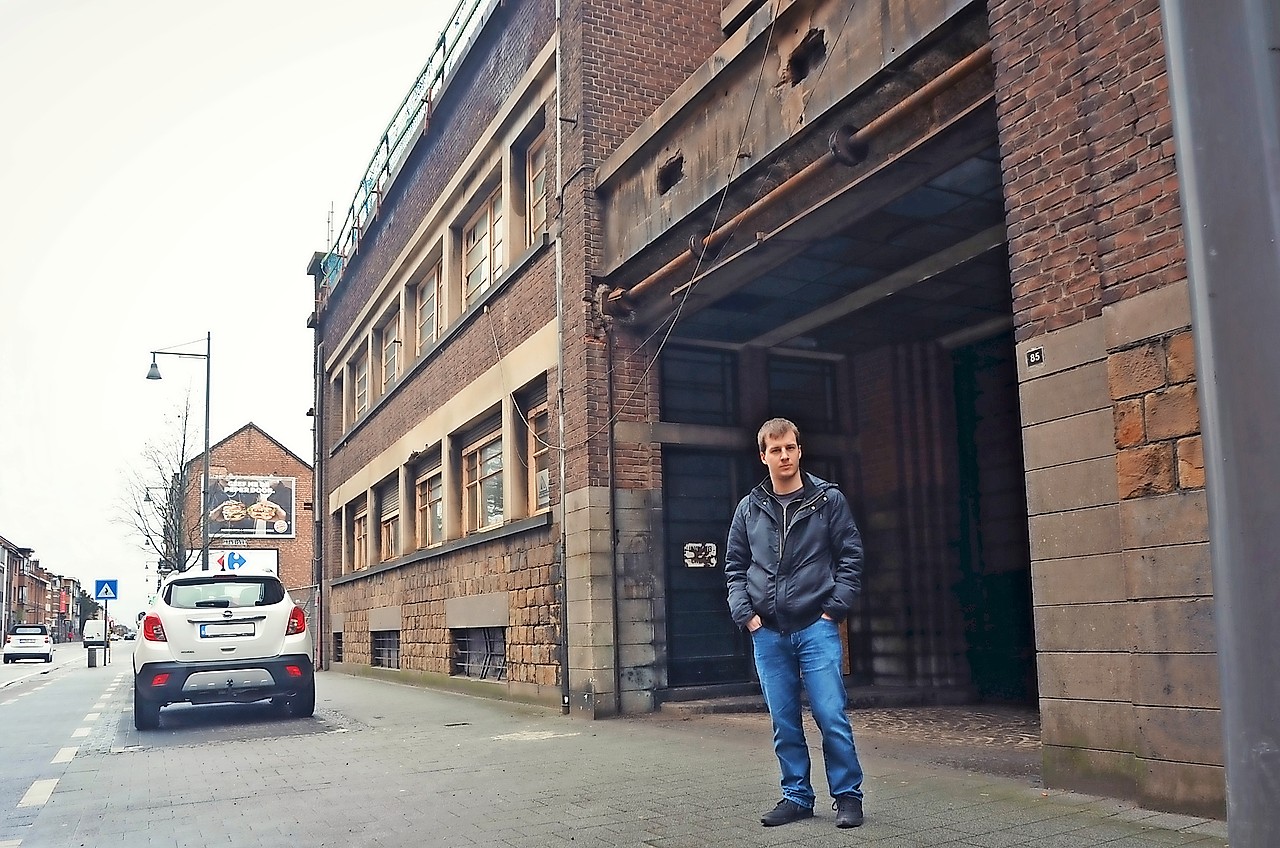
{"points": [[389, 520], [482, 483], [384, 648], [699, 386], [337, 647], [360, 541], [360, 377], [428, 309], [804, 390], [483, 258], [389, 336], [480, 652], [539, 453], [430, 500], [390, 538], [536, 190]]}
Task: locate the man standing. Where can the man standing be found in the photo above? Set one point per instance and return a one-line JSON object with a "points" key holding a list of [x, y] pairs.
{"points": [[793, 566]]}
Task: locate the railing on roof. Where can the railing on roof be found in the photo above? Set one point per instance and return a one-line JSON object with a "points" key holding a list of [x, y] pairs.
{"points": [[398, 138]]}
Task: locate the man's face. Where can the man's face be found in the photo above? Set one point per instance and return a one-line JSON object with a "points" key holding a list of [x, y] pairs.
{"points": [[782, 456]]}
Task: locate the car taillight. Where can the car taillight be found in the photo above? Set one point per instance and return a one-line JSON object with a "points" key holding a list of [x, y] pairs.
{"points": [[160, 679], [152, 629], [293, 670], [8, 639], [297, 622], [47, 640]]}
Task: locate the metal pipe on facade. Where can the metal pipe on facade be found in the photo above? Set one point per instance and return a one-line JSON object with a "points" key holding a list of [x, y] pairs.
{"points": [[563, 583], [846, 143], [1224, 87], [613, 525]]}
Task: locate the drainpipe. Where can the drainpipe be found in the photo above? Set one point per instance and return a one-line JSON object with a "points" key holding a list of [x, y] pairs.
{"points": [[613, 522], [848, 146], [1224, 85], [318, 508], [563, 587]]}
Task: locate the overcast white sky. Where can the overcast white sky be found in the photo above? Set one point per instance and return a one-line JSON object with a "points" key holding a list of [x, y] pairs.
{"points": [[167, 169]]}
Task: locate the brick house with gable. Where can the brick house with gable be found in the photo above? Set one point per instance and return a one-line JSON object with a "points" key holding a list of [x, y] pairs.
{"points": [[253, 455], [601, 243]]}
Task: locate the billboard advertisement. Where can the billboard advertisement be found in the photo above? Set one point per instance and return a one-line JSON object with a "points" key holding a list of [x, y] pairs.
{"points": [[255, 506]]}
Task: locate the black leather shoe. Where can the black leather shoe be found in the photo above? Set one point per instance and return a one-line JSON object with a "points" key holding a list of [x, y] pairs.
{"points": [[785, 813], [848, 811]]}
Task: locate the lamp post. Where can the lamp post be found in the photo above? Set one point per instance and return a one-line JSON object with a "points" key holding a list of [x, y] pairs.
{"points": [[154, 374]]}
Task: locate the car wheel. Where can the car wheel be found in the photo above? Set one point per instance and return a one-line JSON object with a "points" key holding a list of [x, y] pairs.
{"points": [[303, 704], [146, 714]]}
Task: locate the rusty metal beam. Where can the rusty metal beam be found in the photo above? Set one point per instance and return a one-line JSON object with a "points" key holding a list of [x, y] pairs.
{"points": [[621, 301]]}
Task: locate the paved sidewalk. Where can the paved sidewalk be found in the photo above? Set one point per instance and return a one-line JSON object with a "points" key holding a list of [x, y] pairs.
{"points": [[390, 765]]}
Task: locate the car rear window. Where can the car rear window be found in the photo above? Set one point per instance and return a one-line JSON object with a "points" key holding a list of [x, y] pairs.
{"points": [[29, 630], [225, 593]]}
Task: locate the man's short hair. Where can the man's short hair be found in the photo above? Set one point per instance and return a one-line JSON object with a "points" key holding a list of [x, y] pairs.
{"points": [[776, 428]]}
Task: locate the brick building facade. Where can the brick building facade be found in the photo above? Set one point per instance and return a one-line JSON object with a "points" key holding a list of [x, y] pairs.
{"points": [[253, 455], [942, 236]]}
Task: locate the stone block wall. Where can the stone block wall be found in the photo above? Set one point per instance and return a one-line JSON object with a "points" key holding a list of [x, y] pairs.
{"points": [[1117, 510]]}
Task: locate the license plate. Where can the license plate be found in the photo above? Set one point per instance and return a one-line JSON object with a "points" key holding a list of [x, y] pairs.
{"points": [[220, 629]]}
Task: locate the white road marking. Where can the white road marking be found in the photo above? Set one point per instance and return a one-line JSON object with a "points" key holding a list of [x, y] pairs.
{"points": [[80, 732], [99, 706], [5, 704], [38, 793], [93, 716], [531, 736], [65, 755], [11, 843]]}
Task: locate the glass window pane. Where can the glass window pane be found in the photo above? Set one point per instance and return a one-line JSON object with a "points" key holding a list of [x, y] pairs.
{"points": [[699, 386]]}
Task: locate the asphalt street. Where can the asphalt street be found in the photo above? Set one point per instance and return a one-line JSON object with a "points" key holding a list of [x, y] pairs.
{"points": [[383, 764]]}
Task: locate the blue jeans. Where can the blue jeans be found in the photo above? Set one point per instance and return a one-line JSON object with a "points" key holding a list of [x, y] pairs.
{"points": [[810, 658]]}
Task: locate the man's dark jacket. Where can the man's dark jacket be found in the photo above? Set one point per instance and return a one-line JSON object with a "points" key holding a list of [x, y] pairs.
{"points": [[791, 583]]}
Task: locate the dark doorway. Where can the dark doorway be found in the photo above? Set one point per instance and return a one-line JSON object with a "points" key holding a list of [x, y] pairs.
{"points": [[701, 489], [995, 559]]}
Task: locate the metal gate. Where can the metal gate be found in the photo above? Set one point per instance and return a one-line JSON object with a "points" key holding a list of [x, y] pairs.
{"points": [[701, 489]]}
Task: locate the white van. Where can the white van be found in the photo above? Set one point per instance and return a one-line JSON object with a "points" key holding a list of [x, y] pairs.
{"points": [[95, 633]]}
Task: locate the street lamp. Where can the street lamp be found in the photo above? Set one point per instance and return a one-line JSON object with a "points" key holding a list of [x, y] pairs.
{"points": [[154, 374]]}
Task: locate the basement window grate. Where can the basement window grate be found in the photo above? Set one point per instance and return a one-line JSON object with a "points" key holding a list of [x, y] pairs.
{"points": [[481, 652]]}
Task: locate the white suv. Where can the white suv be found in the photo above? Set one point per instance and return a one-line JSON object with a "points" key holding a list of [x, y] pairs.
{"points": [[219, 636]]}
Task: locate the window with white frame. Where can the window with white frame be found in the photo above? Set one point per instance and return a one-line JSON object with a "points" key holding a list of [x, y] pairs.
{"points": [[536, 188], [482, 481], [360, 382], [389, 344], [428, 303], [429, 498], [360, 539], [389, 520], [483, 256], [539, 452]]}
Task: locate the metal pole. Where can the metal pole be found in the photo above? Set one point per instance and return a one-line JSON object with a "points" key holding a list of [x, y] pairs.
{"points": [[1224, 82], [204, 483]]}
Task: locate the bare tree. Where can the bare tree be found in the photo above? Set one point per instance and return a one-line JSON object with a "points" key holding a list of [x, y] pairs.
{"points": [[158, 495]]}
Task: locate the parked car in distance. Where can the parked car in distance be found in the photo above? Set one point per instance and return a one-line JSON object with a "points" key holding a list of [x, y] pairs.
{"points": [[94, 634], [218, 637], [28, 642]]}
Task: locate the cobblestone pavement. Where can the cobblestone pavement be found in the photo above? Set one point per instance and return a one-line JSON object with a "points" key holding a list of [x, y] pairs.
{"points": [[389, 765]]}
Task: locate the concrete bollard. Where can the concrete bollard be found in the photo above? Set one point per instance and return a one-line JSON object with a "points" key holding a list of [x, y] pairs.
{"points": [[93, 657]]}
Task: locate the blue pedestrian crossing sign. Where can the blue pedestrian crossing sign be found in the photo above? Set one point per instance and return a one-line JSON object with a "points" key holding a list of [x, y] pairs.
{"points": [[106, 590]]}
